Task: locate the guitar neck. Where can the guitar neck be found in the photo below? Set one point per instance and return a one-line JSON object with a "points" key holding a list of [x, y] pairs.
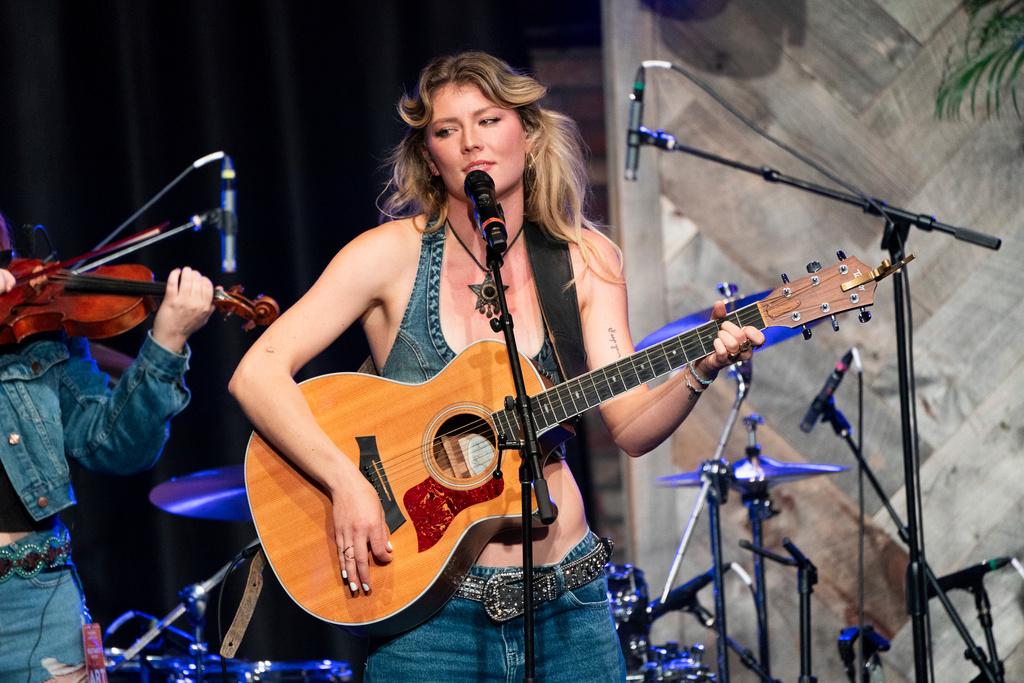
{"points": [[576, 396]]}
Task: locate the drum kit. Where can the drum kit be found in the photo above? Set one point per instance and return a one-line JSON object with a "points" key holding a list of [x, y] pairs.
{"points": [[217, 495], [752, 477], [220, 494]]}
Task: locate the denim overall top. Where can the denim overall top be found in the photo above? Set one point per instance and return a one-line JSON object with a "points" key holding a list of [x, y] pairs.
{"points": [[420, 350]]}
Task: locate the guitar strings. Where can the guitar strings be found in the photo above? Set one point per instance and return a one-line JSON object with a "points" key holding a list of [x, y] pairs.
{"points": [[404, 463]]}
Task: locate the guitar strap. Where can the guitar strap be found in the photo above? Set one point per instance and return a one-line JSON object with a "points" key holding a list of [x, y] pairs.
{"points": [[552, 274]]}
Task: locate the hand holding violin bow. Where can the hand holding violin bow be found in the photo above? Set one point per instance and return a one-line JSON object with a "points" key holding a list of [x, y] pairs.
{"points": [[37, 297]]}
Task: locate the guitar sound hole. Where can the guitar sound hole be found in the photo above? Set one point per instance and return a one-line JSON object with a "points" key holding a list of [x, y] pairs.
{"points": [[465, 447]]}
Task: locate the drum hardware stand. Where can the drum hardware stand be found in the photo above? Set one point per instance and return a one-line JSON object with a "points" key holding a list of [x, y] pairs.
{"points": [[807, 576], [531, 472], [742, 372], [759, 508], [193, 603], [842, 428], [715, 474]]}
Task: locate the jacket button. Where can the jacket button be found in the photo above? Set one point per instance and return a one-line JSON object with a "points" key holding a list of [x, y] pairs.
{"points": [[43, 501], [36, 367], [14, 438]]}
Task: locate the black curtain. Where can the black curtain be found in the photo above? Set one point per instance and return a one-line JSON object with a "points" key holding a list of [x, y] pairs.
{"points": [[101, 104]]}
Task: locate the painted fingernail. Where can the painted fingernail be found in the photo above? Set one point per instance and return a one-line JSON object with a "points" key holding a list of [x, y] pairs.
{"points": [[366, 588], [344, 574], [352, 586], [389, 547]]}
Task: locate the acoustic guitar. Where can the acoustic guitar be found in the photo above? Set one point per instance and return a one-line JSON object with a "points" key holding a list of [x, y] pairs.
{"points": [[431, 452]]}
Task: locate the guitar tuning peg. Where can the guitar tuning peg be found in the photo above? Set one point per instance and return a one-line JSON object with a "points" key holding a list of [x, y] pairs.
{"points": [[835, 323], [841, 255], [785, 279], [813, 267], [728, 289], [806, 332], [865, 315]]}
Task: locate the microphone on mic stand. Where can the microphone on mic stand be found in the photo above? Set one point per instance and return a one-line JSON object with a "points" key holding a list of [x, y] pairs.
{"points": [[228, 218], [825, 395], [490, 219], [636, 120], [968, 578]]}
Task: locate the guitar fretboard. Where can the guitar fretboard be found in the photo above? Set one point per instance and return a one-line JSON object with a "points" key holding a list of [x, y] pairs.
{"points": [[578, 395]]}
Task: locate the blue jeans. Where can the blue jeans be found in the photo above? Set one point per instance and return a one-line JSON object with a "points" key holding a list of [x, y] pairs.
{"points": [[40, 623], [574, 640]]}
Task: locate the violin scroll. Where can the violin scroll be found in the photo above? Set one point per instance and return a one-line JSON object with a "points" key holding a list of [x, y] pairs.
{"points": [[261, 311]]}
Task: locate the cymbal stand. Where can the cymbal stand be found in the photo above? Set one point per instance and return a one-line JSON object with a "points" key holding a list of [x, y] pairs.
{"points": [[716, 475], [742, 372], [759, 508], [193, 603]]}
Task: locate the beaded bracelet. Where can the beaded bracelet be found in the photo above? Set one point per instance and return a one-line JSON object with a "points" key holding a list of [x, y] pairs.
{"points": [[696, 375], [694, 392]]}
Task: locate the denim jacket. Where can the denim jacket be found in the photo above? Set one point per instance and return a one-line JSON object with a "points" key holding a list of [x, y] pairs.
{"points": [[55, 404]]}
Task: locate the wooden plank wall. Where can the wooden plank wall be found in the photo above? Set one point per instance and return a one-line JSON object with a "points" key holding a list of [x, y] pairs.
{"points": [[851, 83]]}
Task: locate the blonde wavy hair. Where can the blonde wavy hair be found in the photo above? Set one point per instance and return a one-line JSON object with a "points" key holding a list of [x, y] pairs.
{"points": [[555, 180]]}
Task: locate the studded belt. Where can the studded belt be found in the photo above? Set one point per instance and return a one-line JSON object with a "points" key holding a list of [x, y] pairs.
{"points": [[28, 559], [502, 593]]}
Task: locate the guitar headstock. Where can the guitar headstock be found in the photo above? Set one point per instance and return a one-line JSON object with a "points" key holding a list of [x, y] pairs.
{"points": [[825, 292]]}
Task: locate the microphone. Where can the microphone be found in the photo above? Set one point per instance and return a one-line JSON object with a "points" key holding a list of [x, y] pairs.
{"points": [[969, 577], [636, 120], [228, 217], [825, 395], [490, 219], [685, 596]]}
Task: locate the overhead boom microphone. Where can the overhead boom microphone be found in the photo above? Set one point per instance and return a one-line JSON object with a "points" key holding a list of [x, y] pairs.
{"points": [[825, 395], [490, 219], [636, 120], [228, 218]]}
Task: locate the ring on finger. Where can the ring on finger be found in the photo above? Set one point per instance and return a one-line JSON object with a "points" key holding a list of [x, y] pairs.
{"points": [[346, 551], [745, 346]]}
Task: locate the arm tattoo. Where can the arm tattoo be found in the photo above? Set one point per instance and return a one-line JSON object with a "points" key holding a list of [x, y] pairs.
{"points": [[614, 342]]}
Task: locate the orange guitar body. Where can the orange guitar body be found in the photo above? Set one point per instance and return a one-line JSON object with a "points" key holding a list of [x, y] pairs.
{"points": [[441, 498]]}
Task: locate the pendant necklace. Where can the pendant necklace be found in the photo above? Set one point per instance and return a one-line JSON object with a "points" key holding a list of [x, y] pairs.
{"points": [[487, 291]]}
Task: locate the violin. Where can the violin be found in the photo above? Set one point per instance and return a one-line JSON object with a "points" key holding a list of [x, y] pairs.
{"points": [[103, 303]]}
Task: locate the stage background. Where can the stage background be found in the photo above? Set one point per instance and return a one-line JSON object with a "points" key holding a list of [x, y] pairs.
{"points": [[852, 83]]}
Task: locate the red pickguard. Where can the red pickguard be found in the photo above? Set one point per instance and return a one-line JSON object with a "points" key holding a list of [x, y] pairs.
{"points": [[432, 507]]}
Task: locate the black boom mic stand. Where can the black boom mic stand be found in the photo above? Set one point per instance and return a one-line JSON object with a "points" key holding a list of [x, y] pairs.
{"points": [[531, 473], [897, 226]]}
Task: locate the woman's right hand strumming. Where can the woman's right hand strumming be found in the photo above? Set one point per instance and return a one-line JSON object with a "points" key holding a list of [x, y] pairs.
{"points": [[359, 530]]}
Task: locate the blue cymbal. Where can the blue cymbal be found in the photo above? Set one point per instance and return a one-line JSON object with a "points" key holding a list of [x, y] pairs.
{"points": [[760, 472], [772, 335], [211, 494]]}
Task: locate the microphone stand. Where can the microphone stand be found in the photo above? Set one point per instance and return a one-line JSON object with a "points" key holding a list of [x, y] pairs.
{"points": [[842, 428], [531, 473], [897, 226]]}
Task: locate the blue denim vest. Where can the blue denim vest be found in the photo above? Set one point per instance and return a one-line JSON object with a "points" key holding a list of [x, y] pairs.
{"points": [[55, 404], [420, 350]]}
